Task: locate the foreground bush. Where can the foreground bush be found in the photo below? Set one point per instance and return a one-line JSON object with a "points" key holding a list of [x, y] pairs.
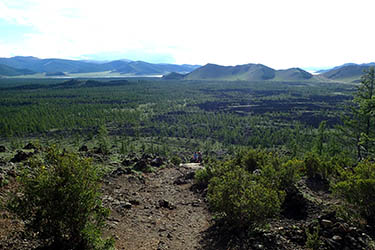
{"points": [[357, 187], [239, 200], [59, 201]]}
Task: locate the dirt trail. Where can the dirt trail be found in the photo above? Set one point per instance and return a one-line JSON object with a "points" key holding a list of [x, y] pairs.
{"points": [[157, 210]]}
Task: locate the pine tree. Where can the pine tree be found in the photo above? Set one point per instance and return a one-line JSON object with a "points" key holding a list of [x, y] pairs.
{"points": [[360, 127]]}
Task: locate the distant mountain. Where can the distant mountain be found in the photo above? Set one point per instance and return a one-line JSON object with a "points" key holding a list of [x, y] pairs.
{"points": [[247, 72], [293, 74], [10, 71], [348, 72], [76, 66], [239, 72]]}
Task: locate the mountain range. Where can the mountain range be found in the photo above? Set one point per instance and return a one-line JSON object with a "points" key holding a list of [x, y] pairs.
{"points": [[20, 65], [258, 72], [52, 66]]}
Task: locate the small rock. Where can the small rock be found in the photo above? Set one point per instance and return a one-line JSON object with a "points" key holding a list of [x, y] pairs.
{"points": [[166, 204], [3, 149], [135, 202], [326, 223], [157, 162], [336, 238], [127, 205], [126, 162]]}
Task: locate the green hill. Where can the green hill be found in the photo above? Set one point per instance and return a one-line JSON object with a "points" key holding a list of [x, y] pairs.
{"points": [[247, 72], [292, 74], [10, 71], [54, 65], [347, 72], [230, 73]]}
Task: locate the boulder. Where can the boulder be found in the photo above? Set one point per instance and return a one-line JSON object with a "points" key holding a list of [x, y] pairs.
{"points": [[20, 156], [2, 149], [30, 146], [157, 162]]}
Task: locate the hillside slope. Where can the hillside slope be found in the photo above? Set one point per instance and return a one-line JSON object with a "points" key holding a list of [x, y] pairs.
{"points": [[247, 72], [75, 66], [239, 72], [347, 72], [292, 74], [10, 71]]}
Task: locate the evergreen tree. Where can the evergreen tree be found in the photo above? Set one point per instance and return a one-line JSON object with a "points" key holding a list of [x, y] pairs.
{"points": [[360, 127]]}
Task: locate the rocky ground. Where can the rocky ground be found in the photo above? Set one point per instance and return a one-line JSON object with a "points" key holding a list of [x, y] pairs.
{"points": [[159, 207]]}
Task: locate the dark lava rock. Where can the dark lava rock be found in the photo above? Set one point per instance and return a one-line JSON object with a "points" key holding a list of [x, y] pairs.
{"points": [[157, 162], [184, 179], [120, 171], [135, 202], [3, 149], [126, 162], [2, 162], [30, 146], [141, 166], [295, 205], [83, 148], [166, 204], [20, 156]]}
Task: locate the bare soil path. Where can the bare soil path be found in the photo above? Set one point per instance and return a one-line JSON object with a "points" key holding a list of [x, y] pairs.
{"points": [[157, 210]]}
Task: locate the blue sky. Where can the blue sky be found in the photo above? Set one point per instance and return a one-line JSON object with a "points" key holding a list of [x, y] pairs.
{"points": [[280, 34]]}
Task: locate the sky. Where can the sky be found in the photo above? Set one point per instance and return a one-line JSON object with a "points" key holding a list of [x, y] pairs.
{"points": [[279, 34]]}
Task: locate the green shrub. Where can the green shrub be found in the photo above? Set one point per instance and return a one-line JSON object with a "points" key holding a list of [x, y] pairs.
{"points": [[59, 201], [176, 160], [313, 240], [289, 173], [251, 159], [357, 187], [312, 165], [241, 201]]}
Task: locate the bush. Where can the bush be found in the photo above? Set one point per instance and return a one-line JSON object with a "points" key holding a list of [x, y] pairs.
{"points": [[239, 200], [357, 187], [59, 202], [176, 160], [251, 159], [313, 240]]}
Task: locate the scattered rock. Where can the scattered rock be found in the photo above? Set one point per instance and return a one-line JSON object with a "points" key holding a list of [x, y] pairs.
{"points": [[126, 205], [135, 202], [120, 171], [326, 223], [184, 179], [126, 162], [166, 204], [142, 166], [336, 238], [157, 162], [2, 162]]}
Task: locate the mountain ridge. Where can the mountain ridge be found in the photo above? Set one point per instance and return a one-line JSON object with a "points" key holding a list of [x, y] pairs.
{"points": [[51, 65], [246, 72]]}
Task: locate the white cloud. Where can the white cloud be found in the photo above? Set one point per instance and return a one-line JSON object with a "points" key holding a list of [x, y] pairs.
{"points": [[276, 33]]}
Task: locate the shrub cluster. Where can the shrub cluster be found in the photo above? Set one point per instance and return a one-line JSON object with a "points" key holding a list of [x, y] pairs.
{"points": [[357, 187], [59, 201], [248, 189]]}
